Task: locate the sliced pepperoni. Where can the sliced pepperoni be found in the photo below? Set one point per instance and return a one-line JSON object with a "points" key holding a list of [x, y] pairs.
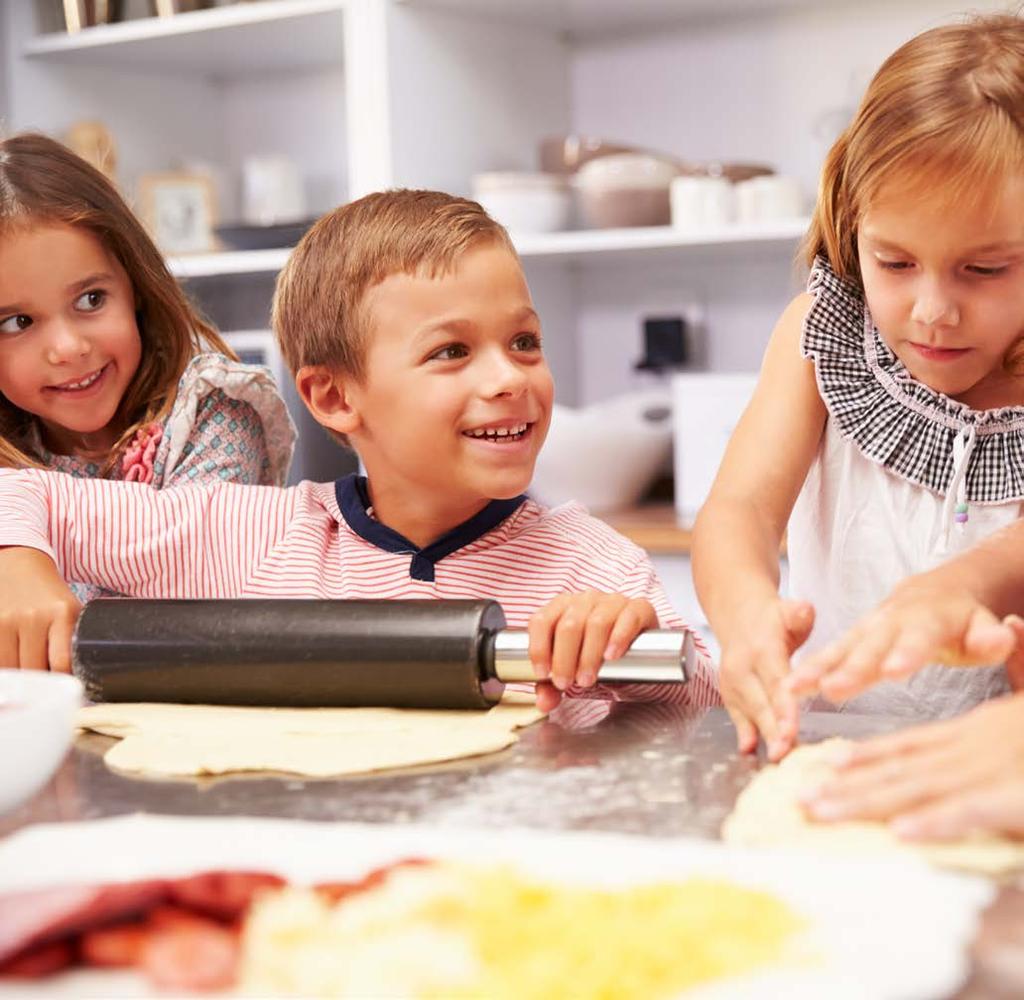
{"points": [[168, 917], [200, 956], [116, 946], [224, 895], [43, 915], [333, 892], [42, 960]]}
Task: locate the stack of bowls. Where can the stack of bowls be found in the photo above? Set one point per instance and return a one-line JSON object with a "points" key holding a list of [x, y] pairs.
{"points": [[626, 189]]}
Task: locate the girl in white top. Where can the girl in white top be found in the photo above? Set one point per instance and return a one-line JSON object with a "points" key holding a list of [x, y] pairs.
{"points": [[887, 428]]}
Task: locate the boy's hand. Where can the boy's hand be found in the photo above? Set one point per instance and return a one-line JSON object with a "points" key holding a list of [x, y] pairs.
{"points": [[754, 668], [937, 781], [575, 633], [37, 612], [923, 621]]}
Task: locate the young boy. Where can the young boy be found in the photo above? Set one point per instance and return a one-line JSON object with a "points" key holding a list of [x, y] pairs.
{"points": [[408, 325]]}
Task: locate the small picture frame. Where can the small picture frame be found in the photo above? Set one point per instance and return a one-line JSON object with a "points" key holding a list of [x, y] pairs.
{"points": [[179, 211]]}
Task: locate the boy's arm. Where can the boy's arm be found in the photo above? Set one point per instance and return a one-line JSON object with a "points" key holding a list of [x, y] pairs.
{"points": [[738, 532], [185, 543]]}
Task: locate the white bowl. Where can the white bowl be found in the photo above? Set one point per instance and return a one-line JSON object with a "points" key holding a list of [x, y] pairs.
{"points": [[37, 724], [605, 455], [626, 170], [525, 202]]}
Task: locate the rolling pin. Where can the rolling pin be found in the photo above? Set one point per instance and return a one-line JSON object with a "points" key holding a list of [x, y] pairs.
{"points": [[306, 653]]}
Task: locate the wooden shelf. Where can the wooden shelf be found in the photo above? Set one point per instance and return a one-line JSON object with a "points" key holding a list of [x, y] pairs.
{"points": [[246, 38], [654, 527]]}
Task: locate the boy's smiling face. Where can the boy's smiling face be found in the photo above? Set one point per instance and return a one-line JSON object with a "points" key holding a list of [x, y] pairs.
{"points": [[456, 396]]}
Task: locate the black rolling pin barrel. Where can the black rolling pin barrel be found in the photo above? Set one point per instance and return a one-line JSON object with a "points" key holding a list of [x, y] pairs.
{"points": [[321, 653]]}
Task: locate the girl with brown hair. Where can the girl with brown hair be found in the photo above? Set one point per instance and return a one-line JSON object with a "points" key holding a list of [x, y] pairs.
{"points": [[887, 428], [106, 369]]}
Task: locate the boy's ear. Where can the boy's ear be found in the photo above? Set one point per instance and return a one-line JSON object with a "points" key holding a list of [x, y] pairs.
{"points": [[327, 396]]}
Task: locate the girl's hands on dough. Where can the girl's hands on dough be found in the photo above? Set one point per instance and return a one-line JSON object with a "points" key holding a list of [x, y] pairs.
{"points": [[754, 665], [938, 781], [923, 621], [575, 633], [37, 612]]}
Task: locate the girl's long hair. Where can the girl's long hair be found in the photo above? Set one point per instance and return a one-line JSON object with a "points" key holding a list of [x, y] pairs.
{"points": [[44, 183], [944, 114]]}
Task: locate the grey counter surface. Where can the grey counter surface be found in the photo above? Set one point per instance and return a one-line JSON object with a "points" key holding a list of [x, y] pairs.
{"points": [[643, 769]]}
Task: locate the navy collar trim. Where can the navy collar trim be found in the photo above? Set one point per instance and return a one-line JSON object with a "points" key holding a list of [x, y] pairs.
{"points": [[353, 498]]}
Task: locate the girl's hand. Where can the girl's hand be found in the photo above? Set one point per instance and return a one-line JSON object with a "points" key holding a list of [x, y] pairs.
{"points": [[752, 673], [37, 612], [925, 620], [938, 781], [575, 633]]}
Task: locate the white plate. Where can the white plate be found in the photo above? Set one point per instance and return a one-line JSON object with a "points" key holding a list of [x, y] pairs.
{"points": [[886, 929]]}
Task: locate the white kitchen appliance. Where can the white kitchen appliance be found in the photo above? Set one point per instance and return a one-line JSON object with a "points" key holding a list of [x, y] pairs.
{"points": [[706, 407]]}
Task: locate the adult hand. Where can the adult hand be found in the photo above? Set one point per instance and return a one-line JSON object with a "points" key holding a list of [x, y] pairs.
{"points": [[939, 781]]}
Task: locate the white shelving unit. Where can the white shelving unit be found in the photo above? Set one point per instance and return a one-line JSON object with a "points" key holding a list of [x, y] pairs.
{"points": [[224, 41], [212, 265], [585, 245], [578, 247]]}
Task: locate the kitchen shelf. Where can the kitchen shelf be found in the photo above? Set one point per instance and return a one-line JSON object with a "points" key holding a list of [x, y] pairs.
{"points": [[246, 38], [590, 244], [656, 528], [207, 265], [653, 526], [585, 20], [578, 246]]}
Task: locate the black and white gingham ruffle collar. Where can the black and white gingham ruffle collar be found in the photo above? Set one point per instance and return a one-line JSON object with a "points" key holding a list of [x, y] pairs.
{"points": [[917, 433]]}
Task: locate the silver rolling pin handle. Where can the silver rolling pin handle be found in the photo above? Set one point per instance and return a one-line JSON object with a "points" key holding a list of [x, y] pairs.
{"points": [[660, 656]]}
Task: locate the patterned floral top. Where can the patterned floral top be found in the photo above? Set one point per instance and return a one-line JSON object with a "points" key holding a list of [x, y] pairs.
{"points": [[228, 424]]}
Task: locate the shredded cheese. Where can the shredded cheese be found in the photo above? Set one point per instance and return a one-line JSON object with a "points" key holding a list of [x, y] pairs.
{"points": [[458, 931]]}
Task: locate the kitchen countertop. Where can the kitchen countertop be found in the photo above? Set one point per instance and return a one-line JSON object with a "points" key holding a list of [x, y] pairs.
{"points": [[644, 769]]}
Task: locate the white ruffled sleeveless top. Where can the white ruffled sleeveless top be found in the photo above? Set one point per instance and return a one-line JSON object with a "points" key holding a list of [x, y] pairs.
{"points": [[904, 478]]}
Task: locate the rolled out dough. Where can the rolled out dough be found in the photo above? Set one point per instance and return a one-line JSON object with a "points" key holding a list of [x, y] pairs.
{"points": [[186, 740], [768, 814]]}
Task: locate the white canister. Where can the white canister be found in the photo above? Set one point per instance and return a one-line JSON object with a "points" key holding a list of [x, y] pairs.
{"points": [[525, 202], [701, 202], [769, 198], [706, 407], [272, 190]]}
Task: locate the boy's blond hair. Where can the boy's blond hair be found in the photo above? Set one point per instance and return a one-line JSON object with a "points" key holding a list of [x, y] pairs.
{"points": [[945, 109], [318, 314]]}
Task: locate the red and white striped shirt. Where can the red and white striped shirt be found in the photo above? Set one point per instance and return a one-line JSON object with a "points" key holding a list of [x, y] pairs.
{"points": [[233, 541]]}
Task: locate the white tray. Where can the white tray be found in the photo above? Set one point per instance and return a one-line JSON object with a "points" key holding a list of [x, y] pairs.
{"points": [[887, 929]]}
